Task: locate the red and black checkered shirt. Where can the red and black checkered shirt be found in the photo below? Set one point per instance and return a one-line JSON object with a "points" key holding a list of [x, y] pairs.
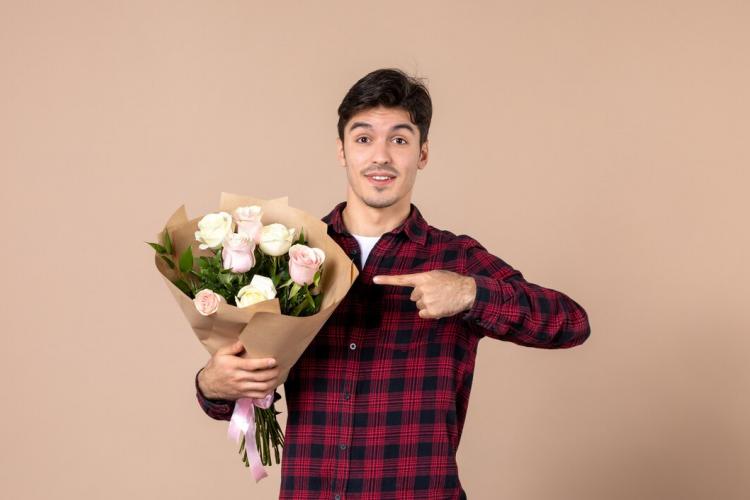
{"points": [[377, 402]]}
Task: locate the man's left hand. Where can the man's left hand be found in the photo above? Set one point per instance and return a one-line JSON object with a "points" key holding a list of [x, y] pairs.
{"points": [[438, 293]]}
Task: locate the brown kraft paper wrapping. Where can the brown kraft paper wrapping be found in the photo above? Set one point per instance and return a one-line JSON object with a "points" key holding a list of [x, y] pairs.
{"points": [[261, 327]]}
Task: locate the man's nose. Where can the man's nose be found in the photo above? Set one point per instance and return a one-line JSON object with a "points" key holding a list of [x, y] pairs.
{"points": [[381, 153]]}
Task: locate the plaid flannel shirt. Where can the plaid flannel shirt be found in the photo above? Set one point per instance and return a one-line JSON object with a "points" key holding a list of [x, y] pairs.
{"points": [[377, 402]]}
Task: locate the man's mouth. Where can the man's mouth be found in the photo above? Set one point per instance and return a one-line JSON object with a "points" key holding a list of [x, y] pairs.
{"points": [[380, 179]]}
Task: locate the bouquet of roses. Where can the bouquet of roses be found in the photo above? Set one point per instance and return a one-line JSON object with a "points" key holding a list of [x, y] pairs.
{"points": [[265, 284]]}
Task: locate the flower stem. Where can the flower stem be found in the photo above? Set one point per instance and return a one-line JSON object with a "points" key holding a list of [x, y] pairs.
{"points": [[301, 305]]}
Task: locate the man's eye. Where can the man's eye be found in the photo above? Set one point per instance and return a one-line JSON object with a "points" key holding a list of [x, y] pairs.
{"points": [[358, 138], [401, 139]]}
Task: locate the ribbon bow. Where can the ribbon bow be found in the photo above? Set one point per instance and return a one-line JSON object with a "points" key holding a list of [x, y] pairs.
{"points": [[243, 422]]}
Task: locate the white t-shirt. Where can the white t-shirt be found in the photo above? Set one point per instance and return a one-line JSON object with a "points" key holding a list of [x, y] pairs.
{"points": [[366, 243]]}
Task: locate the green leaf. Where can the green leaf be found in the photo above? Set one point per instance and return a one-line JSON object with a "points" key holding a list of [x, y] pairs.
{"points": [[167, 241], [225, 278], [159, 249], [182, 285], [294, 290], [168, 261], [186, 260], [298, 309]]}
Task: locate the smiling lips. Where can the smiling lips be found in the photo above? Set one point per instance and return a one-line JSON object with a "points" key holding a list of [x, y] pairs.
{"points": [[380, 179]]}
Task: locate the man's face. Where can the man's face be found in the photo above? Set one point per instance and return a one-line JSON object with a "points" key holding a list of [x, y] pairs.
{"points": [[381, 141]]}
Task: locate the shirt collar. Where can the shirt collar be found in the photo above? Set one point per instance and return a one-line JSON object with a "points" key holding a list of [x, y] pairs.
{"points": [[414, 226]]}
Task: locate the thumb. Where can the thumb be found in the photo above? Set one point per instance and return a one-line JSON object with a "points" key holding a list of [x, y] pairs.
{"points": [[233, 348]]}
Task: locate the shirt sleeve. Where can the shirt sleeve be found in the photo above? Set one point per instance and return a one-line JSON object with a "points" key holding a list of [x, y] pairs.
{"points": [[219, 409], [507, 307]]}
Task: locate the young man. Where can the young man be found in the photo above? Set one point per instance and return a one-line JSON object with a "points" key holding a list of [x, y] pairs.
{"points": [[377, 402]]}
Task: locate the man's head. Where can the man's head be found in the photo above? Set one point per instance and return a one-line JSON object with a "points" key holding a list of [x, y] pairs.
{"points": [[383, 124], [390, 88]]}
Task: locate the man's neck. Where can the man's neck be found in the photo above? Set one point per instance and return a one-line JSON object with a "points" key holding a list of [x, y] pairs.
{"points": [[364, 220]]}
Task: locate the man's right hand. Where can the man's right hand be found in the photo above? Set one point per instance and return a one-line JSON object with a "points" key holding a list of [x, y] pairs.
{"points": [[228, 376]]}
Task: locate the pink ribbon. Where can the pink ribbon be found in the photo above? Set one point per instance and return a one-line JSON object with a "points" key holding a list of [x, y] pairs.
{"points": [[243, 422]]}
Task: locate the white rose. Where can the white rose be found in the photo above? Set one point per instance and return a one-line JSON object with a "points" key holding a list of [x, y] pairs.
{"points": [[275, 239], [260, 288], [212, 229], [248, 296]]}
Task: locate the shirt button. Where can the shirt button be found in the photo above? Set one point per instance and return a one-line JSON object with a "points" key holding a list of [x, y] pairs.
{"points": [[352, 346], [337, 497], [346, 396], [342, 446]]}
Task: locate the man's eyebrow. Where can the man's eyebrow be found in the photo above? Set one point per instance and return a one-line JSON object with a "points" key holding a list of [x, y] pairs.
{"points": [[395, 127]]}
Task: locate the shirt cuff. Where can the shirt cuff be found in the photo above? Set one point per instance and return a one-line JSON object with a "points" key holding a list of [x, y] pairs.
{"points": [[485, 312], [218, 409]]}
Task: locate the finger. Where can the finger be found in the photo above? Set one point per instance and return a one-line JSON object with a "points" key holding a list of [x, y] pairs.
{"points": [[259, 375], [233, 348], [416, 294], [256, 394], [252, 364], [397, 279], [420, 305], [259, 388], [423, 313]]}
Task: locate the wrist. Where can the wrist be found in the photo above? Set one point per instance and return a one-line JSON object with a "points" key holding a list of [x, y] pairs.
{"points": [[201, 384], [470, 292]]}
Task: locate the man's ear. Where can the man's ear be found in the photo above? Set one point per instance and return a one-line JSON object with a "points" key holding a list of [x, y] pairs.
{"points": [[424, 154], [340, 152]]}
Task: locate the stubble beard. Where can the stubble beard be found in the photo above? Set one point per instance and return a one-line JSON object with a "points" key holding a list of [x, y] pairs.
{"points": [[382, 203], [369, 200]]}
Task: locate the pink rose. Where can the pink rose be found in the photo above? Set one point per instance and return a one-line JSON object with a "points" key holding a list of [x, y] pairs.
{"points": [[237, 253], [304, 262], [207, 302], [248, 221]]}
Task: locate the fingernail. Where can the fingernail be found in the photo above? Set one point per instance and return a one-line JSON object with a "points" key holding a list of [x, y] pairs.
{"points": [[271, 362]]}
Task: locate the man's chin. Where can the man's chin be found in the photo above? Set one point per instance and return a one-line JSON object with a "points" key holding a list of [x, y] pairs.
{"points": [[380, 203]]}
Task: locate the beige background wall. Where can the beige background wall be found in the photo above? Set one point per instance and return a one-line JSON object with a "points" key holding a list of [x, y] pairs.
{"points": [[599, 147]]}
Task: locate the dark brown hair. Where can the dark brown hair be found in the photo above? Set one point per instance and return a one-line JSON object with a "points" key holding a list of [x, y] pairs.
{"points": [[392, 88]]}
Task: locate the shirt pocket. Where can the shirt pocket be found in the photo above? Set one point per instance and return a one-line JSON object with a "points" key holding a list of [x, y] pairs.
{"points": [[404, 335]]}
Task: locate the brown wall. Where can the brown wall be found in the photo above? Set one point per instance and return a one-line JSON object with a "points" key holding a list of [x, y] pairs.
{"points": [[599, 147]]}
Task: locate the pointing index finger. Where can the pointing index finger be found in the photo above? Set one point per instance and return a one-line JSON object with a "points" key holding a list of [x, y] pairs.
{"points": [[396, 279]]}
